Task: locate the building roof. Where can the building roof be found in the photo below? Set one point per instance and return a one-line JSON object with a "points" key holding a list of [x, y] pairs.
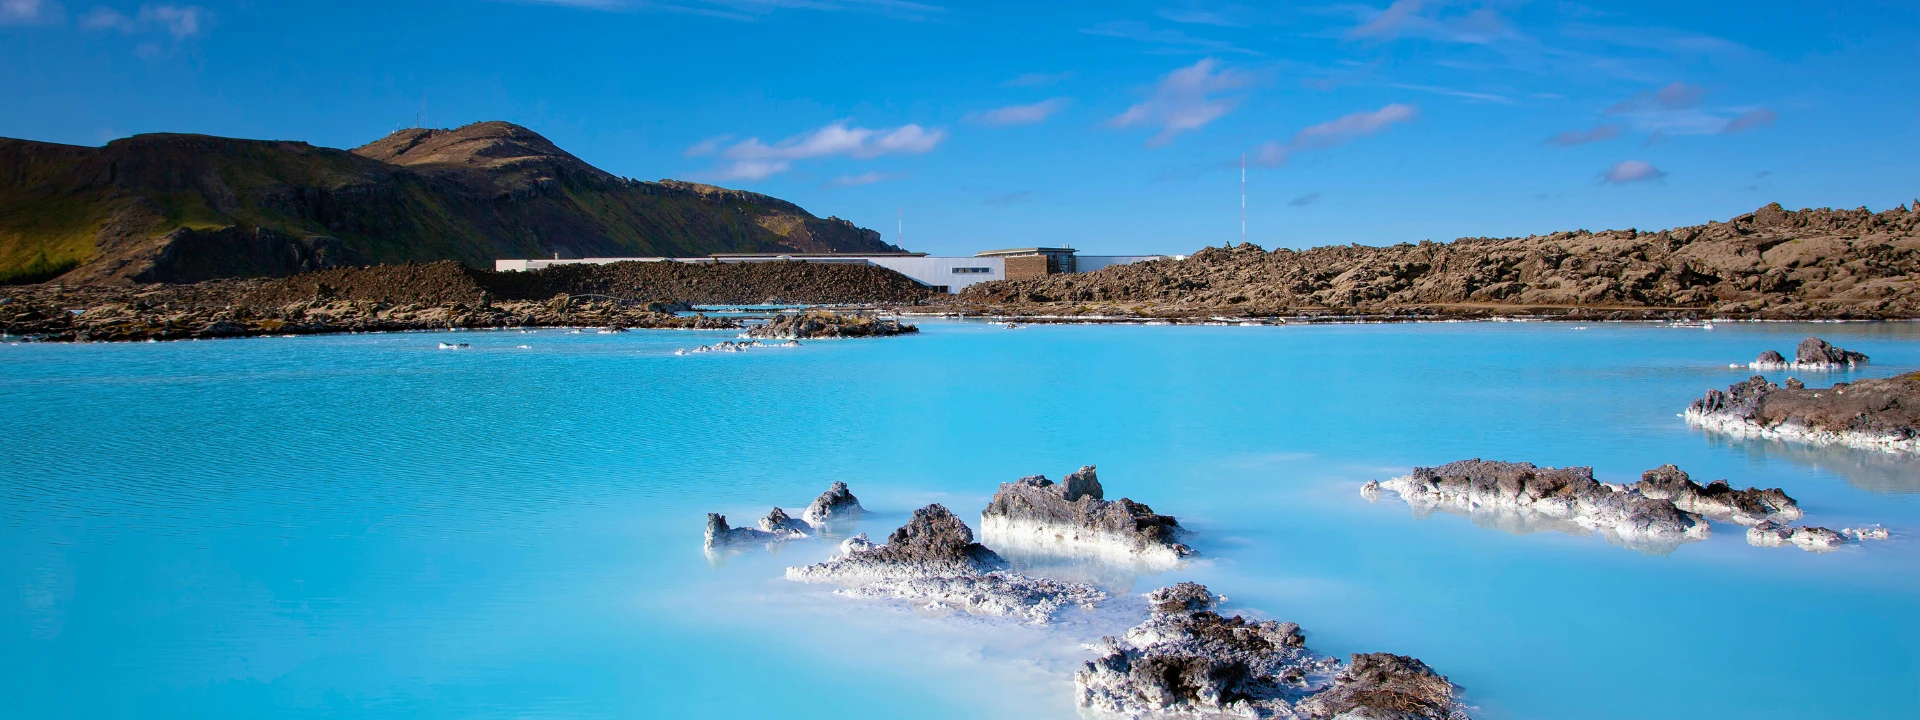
{"points": [[1024, 251], [815, 255]]}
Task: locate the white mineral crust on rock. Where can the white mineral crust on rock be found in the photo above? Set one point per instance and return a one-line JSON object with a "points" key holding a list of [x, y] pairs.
{"points": [[1074, 518], [1477, 488]]}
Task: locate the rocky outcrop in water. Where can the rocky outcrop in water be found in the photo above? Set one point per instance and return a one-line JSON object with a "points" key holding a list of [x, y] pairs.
{"points": [[1516, 494], [1771, 263], [1879, 414], [812, 325], [1812, 354], [1188, 660], [1812, 539], [1717, 499], [837, 503], [1073, 517], [934, 560]]}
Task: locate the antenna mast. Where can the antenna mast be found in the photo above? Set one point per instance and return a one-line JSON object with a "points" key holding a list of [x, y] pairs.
{"points": [[900, 234], [1243, 198]]}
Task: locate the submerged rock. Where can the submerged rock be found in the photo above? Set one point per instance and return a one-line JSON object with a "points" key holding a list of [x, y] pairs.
{"points": [[1812, 354], [1816, 539], [1865, 533], [1073, 517], [933, 558], [1881, 414], [780, 525], [837, 503], [1717, 499], [1189, 660], [820, 324], [1523, 493]]}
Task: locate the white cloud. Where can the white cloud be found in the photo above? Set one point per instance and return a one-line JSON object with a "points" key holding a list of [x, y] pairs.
{"points": [[31, 12], [1338, 131], [707, 146], [1023, 114], [1675, 110], [1676, 96], [1184, 100], [1631, 171], [752, 159], [182, 22]]}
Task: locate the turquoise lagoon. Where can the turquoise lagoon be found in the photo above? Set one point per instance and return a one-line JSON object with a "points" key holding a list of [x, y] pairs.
{"points": [[369, 527]]}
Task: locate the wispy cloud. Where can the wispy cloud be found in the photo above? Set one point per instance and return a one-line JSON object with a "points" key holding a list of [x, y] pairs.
{"points": [[754, 9], [708, 146], [1304, 200], [1335, 132], [31, 12], [1571, 138], [1451, 92], [182, 22], [1749, 120], [1676, 96], [1010, 198], [1185, 100], [752, 159], [1231, 16], [1022, 114], [1434, 20], [866, 178], [1675, 110], [1664, 40], [1168, 39], [1039, 79], [1631, 171]]}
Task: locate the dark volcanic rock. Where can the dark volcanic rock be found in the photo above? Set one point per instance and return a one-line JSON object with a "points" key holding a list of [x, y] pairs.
{"points": [[1812, 354], [933, 560], [1717, 499], [1520, 495], [837, 503], [811, 325], [933, 543], [1811, 539], [1383, 686], [1881, 413], [1187, 659], [1074, 517]]}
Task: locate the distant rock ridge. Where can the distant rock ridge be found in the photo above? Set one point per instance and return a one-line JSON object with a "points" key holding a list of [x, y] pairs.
{"points": [[1771, 263]]}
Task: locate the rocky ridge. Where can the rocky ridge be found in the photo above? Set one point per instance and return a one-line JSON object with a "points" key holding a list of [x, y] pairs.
{"points": [[1881, 413], [1771, 263], [1073, 517]]}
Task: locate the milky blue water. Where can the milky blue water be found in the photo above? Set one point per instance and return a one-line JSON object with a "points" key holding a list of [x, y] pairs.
{"points": [[366, 526]]}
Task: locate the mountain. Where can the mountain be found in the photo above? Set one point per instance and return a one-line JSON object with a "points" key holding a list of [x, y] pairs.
{"points": [[184, 208]]}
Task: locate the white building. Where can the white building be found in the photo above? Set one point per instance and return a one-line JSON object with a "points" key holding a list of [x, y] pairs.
{"points": [[946, 274]]}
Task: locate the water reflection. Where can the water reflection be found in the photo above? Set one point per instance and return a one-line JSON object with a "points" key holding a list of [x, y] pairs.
{"points": [[1869, 470]]}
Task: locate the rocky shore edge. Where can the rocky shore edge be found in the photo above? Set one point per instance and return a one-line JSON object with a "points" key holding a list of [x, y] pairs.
{"points": [[1661, 512], [1875, 414]]}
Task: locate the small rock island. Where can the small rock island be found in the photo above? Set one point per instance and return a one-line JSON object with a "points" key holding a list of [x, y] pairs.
{"points": [[1812, 354], [1881, 414], [1074, 517]]}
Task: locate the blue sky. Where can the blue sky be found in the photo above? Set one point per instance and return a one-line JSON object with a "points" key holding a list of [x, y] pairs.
{"points": [[1114, 127]]}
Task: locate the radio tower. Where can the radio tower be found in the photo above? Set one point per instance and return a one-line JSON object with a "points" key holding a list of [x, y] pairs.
{"points": [[1243, 198], [900, 234]]}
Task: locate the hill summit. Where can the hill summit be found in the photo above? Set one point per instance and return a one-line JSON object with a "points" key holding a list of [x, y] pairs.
{"points": [[185, 208]]}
